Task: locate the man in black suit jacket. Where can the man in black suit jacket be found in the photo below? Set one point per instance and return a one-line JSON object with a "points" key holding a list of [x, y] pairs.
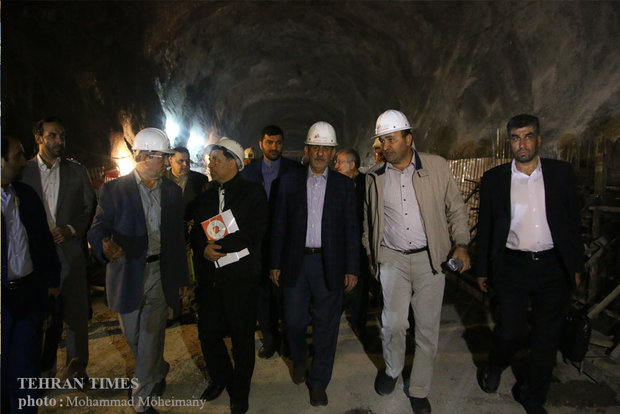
{"points": [[268, 171], [30, 270], [529, 249], [314, 255], [192, 183]]}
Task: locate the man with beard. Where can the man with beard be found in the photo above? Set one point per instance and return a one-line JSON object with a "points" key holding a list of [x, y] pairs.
{"points": [[227, 291], [69, 200], [30, 272], [315, 256], [416, 218], [529, 249], [138, 232], [268, 171]]}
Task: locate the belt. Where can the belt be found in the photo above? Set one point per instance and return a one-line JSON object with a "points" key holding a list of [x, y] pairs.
{"points": [[28, 280], [313, 250], [412, 251], [531, 255], [152, 258]]}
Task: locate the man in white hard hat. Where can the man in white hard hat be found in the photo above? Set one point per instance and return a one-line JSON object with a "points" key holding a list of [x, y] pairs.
{"points": [[315, 256], [69, 201], [138, 233], [227, 293], [416, 220], [268, 171]]}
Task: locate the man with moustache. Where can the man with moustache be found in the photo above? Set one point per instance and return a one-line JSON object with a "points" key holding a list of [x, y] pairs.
{"points": [[268, 171], [227, 292], [315, 256], [138, 233], [192, 183], [529, 249], [416, 218], [69, 200], [30, 272]]}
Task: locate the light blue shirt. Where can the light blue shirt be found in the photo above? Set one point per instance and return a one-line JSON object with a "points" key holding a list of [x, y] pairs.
{"points": [[315, 190], [20, 262], [151, 204], [269, 169]]}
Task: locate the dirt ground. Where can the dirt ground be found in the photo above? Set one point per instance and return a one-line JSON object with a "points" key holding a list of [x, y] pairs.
{"points": [[464, 340]]}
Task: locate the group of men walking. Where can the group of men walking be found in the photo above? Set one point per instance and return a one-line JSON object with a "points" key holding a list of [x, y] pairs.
{"points": [[274, 240]]}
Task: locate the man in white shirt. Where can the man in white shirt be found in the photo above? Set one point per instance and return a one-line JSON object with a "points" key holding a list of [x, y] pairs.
{"points": [[529, 249], [30, 271], [64, 187]]}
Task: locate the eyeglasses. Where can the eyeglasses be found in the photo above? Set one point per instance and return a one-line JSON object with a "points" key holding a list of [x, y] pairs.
{"points": [[151, 156]]}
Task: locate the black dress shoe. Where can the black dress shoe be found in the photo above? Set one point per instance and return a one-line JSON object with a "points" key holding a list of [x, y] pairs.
{"points": [[299, 372], [237, 407], [529, 408], [318, 397], [159, 388], [213, 391], [488, 378], [420, 405], [384, 384], [266, 351]]}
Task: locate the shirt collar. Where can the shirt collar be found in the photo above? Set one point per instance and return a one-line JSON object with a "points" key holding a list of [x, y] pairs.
{"points": [[410, 165], [43, 166], [537, 173], [139, 181], [311, 174], [271, 164]]}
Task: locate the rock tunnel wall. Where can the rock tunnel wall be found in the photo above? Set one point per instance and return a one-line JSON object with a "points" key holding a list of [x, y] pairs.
{"points": [[459, 70]]}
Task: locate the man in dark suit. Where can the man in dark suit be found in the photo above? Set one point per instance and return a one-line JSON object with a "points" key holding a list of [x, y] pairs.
{"points": [[192, 183], [315, 255], [348, 163], [227, 292], [69, 200], [30, 271], [529, 249], [138, 232], [268, 171]]}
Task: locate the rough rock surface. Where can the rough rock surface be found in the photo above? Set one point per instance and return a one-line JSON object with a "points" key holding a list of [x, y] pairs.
{"points": [[459, 70]]}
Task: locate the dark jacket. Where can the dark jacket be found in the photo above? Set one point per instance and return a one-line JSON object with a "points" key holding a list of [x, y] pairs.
{"points": [[340, 232], [248, 203], [562, 216], [40, 242], [120, 216], [196, 184]]}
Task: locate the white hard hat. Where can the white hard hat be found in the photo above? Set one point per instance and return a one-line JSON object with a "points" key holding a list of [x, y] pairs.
{"points": [[250, 153], [391, 121], [231, 146], [321, 133], [152, 139]]}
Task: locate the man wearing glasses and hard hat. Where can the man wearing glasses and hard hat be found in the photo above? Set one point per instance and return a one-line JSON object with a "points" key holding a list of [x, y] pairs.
{"points": [[415, 219], [138, 232], [315, 256]]}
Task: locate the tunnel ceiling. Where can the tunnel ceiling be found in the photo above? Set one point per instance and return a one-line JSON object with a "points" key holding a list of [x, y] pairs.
{"points": [[459, 70]]}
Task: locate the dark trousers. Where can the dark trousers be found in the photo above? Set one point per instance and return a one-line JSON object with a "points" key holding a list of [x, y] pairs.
{"points": [[22, 321], [356, 301], [229, 308], [543, 284], [326, 311], [268, 311]]}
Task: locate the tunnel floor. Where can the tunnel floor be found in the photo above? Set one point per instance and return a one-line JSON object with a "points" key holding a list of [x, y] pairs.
{"points": [[464, 340]]}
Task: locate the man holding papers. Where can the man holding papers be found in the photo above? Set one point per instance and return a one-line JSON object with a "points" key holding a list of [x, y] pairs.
{"points": [[230, 220]]}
